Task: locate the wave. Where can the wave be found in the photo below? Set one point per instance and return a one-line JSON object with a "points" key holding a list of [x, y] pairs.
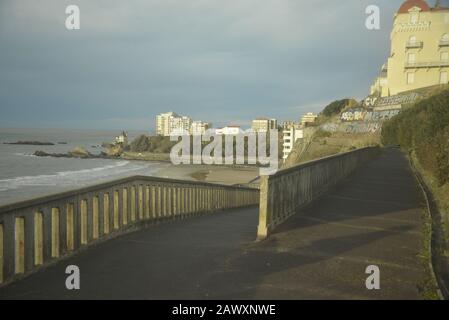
{"points": [[75, 177], [116, 165], [24, 154]]}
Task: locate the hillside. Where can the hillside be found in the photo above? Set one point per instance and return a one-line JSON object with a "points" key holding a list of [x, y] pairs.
{"points": [[323, 139]]}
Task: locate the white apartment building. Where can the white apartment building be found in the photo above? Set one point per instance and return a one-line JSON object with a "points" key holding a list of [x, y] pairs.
{"points": [[199, 127], [163, 123], [289, 137], [228, 130], [172, 123], [180, 125]]}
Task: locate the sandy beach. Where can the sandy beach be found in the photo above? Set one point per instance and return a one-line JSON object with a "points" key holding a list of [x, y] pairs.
{"points": [[210, 173]]}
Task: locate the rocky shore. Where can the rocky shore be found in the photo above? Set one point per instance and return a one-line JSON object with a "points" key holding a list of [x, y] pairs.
{"points": [[31, 143], [77, 152], [82, 153]]}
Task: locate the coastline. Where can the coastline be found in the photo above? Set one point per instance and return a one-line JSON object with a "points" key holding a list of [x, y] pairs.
{"points": [[225, 174], [78, 162], [210, 173]]}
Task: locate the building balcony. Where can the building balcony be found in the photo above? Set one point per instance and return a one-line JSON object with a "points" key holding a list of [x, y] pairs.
{"points": [[444, 43], [438, 64], [414, 45]]}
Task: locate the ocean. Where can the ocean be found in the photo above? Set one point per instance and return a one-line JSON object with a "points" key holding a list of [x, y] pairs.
{"points": [[24, 176]]}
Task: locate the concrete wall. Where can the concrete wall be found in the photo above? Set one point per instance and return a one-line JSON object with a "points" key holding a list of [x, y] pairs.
{"points": [[37, 232], [282, 194]]}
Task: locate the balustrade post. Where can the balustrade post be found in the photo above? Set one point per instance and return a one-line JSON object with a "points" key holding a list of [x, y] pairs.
{"points": [[264, 213]]}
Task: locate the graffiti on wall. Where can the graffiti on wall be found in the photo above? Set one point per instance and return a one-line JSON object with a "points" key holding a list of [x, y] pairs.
{"points": [[368, 118], [354, 127], [361, 114], [390, 102]]}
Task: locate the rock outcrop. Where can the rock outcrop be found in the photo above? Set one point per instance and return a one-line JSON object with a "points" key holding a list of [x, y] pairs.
{"points": [[31, 143], [77, 152]]}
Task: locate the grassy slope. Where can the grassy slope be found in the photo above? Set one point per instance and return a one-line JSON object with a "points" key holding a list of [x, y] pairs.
{"points": [[424, 129]]}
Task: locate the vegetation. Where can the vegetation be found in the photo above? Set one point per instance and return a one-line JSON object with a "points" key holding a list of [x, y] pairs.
{"points": [[160, 144], [427, 286], [154, 144], [322, 134], [337, 106], [424, 128], [319, 143]]}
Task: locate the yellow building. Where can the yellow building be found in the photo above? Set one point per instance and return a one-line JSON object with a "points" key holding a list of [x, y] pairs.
{"points": [[309, 117], [419, 49]]}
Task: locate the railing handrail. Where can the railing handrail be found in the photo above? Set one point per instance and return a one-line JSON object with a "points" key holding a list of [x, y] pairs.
{"points": [[39, 200], [313, 162]]}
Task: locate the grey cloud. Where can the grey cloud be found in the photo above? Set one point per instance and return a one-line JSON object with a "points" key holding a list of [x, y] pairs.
{"points": [[215, 60]]}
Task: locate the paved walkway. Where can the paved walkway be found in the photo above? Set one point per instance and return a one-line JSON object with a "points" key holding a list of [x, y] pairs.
{"points": [[373, 217]]}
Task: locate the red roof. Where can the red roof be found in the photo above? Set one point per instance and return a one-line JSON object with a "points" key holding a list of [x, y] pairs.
{"points": [[407, 5]]}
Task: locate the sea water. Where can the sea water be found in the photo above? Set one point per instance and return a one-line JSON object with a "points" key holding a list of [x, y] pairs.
{"points": [[24, 176]]}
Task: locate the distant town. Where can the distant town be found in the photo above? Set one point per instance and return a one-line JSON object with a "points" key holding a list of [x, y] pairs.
{"points": [[170, 123]]}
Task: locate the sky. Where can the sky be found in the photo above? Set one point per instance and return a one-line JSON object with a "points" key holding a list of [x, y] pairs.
{"points": [[222, 61]]}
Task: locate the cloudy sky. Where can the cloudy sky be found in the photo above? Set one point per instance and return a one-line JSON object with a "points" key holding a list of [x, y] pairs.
{"points": [[224, 61]]}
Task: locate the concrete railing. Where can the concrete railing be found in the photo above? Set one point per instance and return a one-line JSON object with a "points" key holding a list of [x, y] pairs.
{"points": [[282, 194], [37, 232]]}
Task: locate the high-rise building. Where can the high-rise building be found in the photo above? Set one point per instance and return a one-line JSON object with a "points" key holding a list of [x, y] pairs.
{"points": [[289, 137], [180, 125], [163, 123], [171, 123], [419, 54], [199, 127], [264, 124]]}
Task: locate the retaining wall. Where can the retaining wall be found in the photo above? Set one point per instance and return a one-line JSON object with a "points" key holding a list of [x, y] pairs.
{"points": [[37, 232], [282, 194]]}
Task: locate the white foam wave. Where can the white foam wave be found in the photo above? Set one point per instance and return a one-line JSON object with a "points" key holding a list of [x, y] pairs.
{"points": [[24, 154], [75, 177]]}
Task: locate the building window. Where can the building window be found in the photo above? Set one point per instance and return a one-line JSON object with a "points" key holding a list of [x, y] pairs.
{"points": [[444, 56], [410, 77], [414, 17], [444, 41], [411, 58], [443, 77], [412, 40]]}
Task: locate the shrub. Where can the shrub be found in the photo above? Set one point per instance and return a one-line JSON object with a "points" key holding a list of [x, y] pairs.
{"points": [[337, 106], [424, 127]]}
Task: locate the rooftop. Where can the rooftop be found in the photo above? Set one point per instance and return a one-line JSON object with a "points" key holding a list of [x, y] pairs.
{"points": [[407, 5], [422, 4]]}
